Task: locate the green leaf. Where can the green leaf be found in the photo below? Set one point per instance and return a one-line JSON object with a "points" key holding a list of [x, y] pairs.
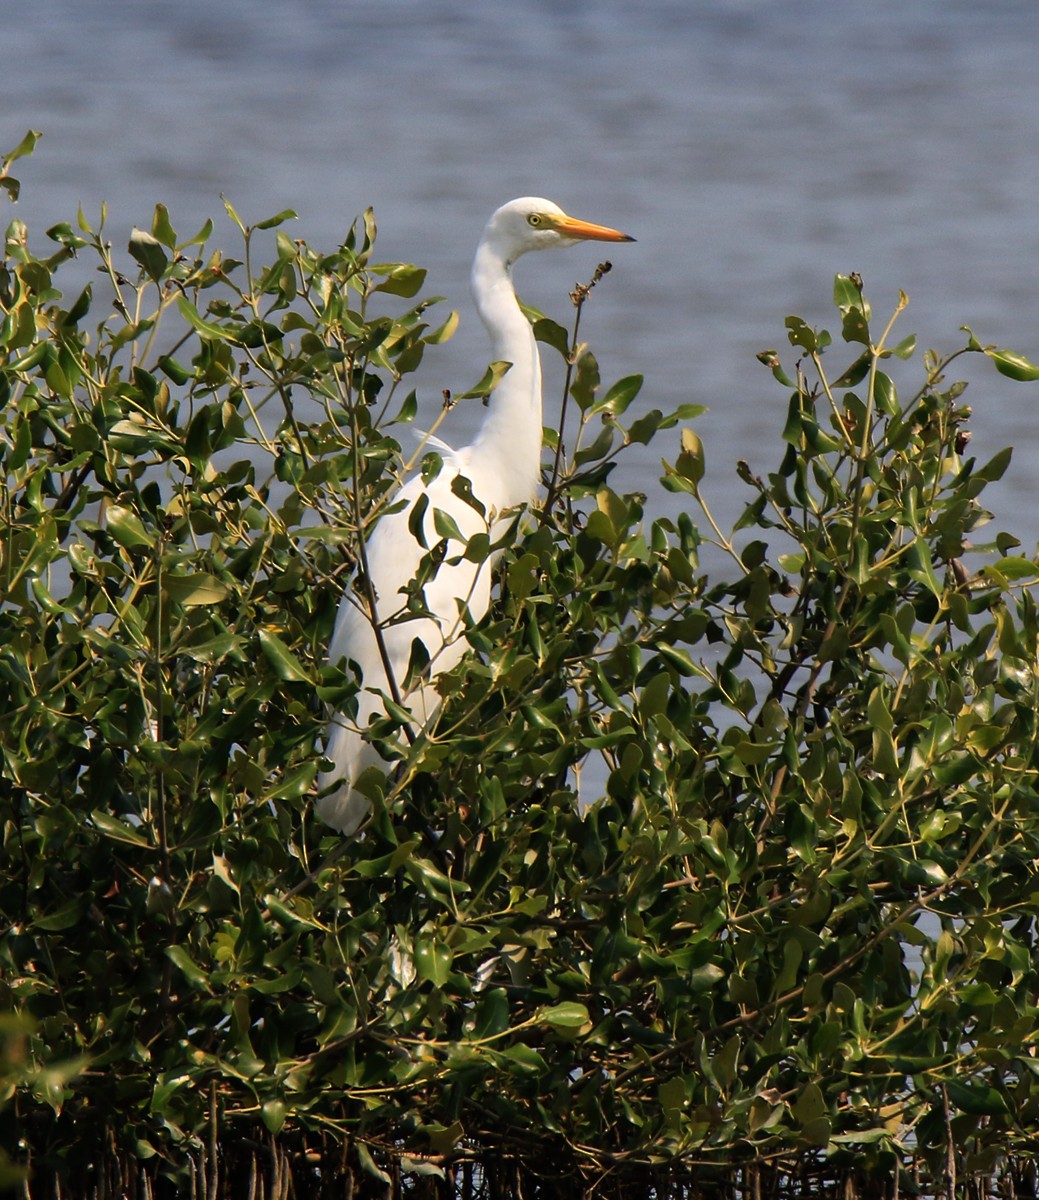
{"points": [[208, 329], [491, 377], [920, 567], [672, 1095], [211, 649], [801, 334], [905, 348], [1010, 569], [273, 1113], [286, 665], [810, 1104], [886, 395], [229, 209], [202, 236], [619, 396], [368, 1164], [433, 961], [817, 1132], [182, 960], [567, 1015], [147, 250], [402, 280], [678, 658], [79, 309], [25, 147], [195, 589], [64, 916], [854, 327], [585, 383], [1014, 366], [996, 467], [552, 334], [690, 462], [8, 182], [430, 879], [926, 873], [644, 429], [162, 230], [524, 1061], [444, 333], [125, 527], [446, 526], [492, 1015], [118, 830], [978, 1099], [847, 292], [169, 366], [419, 1166], [286, 214]]}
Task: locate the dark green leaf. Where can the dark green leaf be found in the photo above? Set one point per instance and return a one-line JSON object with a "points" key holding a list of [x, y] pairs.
{"points": [[286, 665], [147, 250]]}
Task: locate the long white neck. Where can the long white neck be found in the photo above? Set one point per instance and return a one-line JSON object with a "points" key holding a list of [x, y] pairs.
{"points": [[508, 446]]}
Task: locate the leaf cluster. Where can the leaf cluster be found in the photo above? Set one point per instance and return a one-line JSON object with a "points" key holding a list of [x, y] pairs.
{"points": [[694, 869]]}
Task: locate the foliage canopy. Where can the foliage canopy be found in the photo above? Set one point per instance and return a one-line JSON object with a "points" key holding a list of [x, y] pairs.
{"points": [[796, 920]]}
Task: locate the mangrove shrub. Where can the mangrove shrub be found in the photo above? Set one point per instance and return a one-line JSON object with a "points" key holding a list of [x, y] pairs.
{"points": [[714, 865]]}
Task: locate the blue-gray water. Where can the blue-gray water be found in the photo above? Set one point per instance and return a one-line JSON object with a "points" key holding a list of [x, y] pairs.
{"points": [[754, 148]]}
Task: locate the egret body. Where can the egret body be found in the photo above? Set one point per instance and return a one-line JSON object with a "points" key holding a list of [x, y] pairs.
{"points": [[502, 466]]}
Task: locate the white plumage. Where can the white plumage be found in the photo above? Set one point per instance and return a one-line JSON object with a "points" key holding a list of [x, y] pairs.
{"points": [[502, 466]]}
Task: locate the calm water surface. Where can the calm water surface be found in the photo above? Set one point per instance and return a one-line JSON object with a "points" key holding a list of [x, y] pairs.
{"points": [[754, 148]]}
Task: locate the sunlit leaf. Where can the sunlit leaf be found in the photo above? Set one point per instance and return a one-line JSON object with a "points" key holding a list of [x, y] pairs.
{"points": [[181, 959], [162, 230], [119, 830], [619, 396], [278, 219], [198, 588], [488, 383], [1014, 366], [148, 251], [566, 1015], [125, 526], [399, 280]]}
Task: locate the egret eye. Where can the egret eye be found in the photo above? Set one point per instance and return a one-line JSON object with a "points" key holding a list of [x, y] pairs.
{"points": [[535, 220]]}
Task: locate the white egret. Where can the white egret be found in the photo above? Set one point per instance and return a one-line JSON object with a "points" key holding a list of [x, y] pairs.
{"points": [[502, 466]]}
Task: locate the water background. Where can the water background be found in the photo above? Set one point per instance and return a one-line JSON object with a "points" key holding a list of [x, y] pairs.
{"points": [[754, 148]]}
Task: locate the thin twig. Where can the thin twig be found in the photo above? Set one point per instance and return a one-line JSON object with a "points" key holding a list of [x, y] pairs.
{"points": [[578, 296], [212, 1188]]}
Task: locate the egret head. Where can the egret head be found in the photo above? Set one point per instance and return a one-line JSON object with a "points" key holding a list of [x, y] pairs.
{"points": [[531, 223]]}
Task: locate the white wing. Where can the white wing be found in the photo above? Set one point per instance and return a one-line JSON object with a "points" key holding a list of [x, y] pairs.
{"points": [[394, 556]]}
